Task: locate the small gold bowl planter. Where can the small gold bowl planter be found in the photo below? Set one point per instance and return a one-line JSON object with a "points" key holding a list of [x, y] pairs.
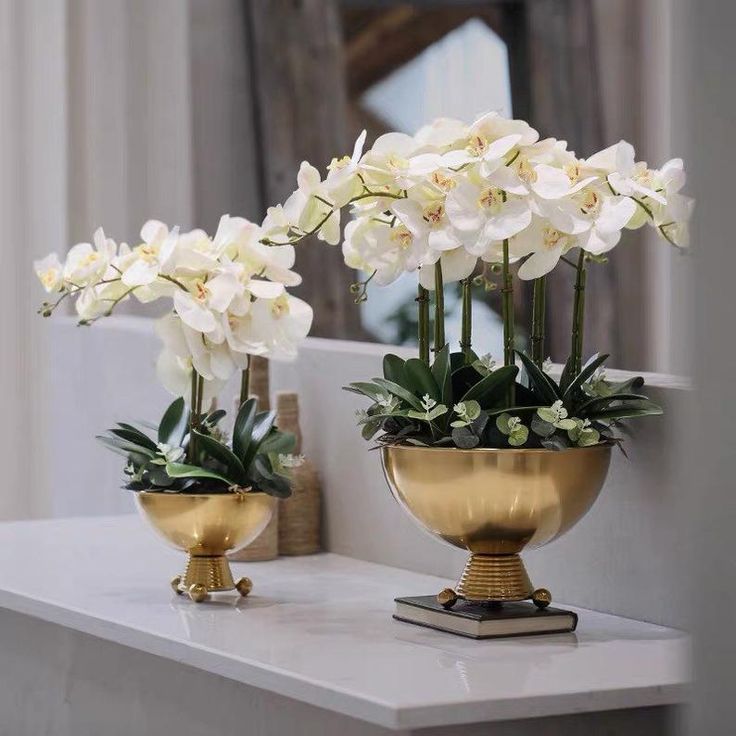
{"points": [[207, 526], [494, 504]]}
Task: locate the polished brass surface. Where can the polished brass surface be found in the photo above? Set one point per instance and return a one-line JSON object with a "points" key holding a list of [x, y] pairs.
{"points": [[206, 526], [541, 597], [494, 577], [244, 586], [495, 503], [447, 597]]}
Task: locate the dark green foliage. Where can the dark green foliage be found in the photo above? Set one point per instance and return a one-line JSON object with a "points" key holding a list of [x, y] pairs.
{"points": [[457, 401], [251, 461]]}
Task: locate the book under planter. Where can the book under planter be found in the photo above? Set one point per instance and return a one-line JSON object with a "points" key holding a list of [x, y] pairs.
{"points": [[493, 503]]}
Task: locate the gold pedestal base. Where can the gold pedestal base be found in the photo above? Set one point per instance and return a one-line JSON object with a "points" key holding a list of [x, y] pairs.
{"points": [[207, 574], [494, 579]]}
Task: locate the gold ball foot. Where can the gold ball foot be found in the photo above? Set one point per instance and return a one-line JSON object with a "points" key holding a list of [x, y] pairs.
{"points": [[175, 582], [244, 586], [541, 598], [447, 598], [197, 592]]}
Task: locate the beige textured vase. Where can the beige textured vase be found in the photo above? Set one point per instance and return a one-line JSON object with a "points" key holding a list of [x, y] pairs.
{"points": [[300, 514], [266, 545]]}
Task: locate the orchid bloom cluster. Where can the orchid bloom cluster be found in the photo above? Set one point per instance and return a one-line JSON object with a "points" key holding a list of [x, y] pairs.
{"points": [[228, 295], [456, 193]]}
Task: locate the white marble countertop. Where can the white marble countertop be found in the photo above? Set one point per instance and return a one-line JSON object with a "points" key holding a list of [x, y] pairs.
{"points": [[319, 629]]}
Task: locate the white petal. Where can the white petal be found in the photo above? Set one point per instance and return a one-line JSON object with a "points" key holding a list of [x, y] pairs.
{"points": [[397, 143], [153, 230], [513, 217], [411, 214], [551, 182], [223, 289], [140, 273], [615, 213], [265, 289], [358, 148], [499, 148], [192, 313], [507, 179], [308, 177], [540, 263], [462, 207], [442, 239]]}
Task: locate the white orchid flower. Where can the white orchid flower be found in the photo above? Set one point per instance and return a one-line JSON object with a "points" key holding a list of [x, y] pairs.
{"points": [[625, 175], [387, 163], [442, 133], [311, 206], [50, 273], [175, 374], [147, 260], [456, 264], [342, 182], [484, 213], [428, 224], [272, 327], [85, 264], [544, 245]]}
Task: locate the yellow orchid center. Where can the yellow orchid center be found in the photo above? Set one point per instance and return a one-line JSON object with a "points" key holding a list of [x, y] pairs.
{"points": [[490, 197], [477, 145], [338, 163], [280, 306], [147, 253], [553, 238], [49, 277], [572, 170], [396, 163], [591, 202], [434, 213], [402, 237], [201, 292], [442, 181], [525, 170]]}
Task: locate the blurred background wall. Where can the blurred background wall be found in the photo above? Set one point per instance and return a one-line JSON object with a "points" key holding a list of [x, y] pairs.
{"points": [[113, 112]]}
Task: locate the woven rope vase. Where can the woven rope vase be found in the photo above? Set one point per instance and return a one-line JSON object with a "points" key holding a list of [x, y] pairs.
{"points": [[300, 515]]}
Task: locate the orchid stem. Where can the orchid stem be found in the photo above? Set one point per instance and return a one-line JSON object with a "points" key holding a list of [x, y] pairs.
{"points": [[578, 316], [538, 315], [423, 322], [195, 407], [245, 383], [439, 309], [507, 311], [467, 319]]}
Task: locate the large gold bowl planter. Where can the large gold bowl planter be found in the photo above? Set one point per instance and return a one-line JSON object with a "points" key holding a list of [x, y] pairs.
{"points": [[207, 526], [494, 504]]}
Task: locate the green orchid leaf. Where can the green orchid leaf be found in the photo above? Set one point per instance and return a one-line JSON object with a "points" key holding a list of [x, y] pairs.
{"points": [[602, 402], [566, 375], [211, 448], [421, 380], [587, 371], [371, 390], [443, 375], [492, 386], [261, 427], [214, 417], [278, 442], [125, 446], [628, 411], [174, 423], [400, 392], [136, 437], [139, 432], [546, 388], [393, 368], [243, 428], [183, 470]]}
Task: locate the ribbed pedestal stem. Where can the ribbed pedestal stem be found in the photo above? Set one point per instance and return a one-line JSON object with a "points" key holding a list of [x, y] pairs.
{"points": [[211, 571], [494, 578]]}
